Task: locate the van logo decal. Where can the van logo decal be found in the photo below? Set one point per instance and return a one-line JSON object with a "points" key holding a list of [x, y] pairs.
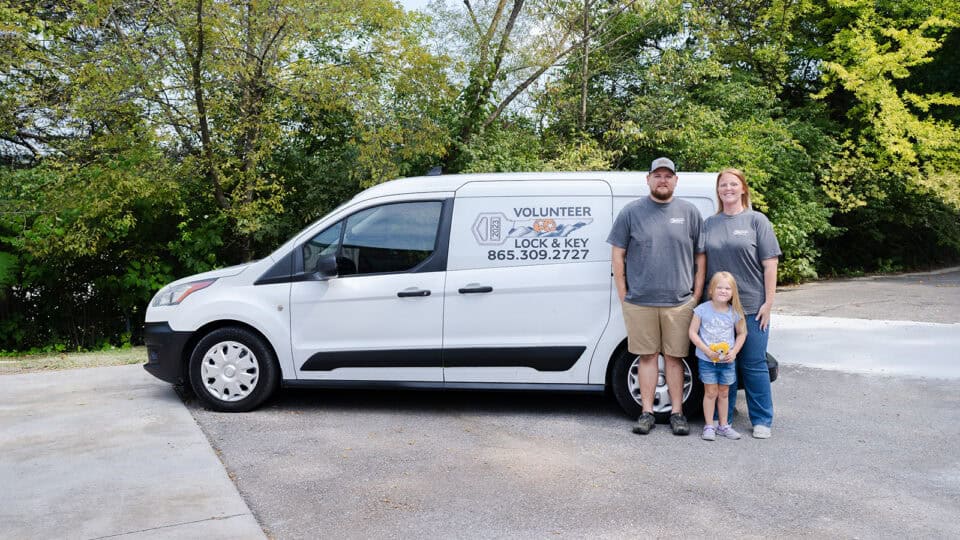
{"points": [[545, 225], [493, 228]]}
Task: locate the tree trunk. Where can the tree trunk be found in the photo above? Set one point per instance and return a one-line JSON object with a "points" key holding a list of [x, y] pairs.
{"points": [[585, 67], [209, 163]]}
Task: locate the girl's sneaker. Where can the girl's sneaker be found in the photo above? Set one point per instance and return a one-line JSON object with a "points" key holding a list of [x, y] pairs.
{"points": [[709, 433], [728, 432]]}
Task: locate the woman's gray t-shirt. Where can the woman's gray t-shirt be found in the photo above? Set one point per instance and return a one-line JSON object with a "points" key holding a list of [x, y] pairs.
{"points": [[661, 240], [738, 244]]}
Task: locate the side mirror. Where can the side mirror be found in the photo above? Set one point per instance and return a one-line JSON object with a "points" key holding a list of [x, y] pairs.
{"points": [[326, 267]]}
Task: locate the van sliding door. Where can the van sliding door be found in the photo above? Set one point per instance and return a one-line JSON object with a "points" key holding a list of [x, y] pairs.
{"points": [[528, 284]]}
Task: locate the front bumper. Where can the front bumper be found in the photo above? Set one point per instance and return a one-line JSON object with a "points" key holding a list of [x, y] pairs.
{"points": [[165, 348]]}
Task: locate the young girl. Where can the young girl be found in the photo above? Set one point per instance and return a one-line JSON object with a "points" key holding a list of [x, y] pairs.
{"points": [[718, 329]]}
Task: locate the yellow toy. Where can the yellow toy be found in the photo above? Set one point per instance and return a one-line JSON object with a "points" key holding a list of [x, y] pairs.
{"points": [[723, 348]]}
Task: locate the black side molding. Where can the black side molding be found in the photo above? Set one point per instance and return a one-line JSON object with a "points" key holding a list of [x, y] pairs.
{"points": [[440, 385], [538, 358], [327, 361]]}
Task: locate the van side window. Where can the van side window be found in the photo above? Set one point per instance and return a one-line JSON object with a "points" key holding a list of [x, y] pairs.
{"points": [[390, 238], [325, 243]]}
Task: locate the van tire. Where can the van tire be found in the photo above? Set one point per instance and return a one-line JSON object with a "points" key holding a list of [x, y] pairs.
{"points": [[624, 389], [232, 369]]}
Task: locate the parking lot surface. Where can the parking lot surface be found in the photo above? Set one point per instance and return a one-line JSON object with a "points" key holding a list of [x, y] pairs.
{"points": [[852, 456], [923, 297]]}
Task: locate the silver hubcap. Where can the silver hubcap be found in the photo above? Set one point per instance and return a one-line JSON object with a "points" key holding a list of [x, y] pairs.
{"points": [[661, 398], [230, 371]]}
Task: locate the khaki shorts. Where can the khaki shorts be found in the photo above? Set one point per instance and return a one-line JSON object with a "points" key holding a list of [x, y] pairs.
{"points": [[652, 330]]}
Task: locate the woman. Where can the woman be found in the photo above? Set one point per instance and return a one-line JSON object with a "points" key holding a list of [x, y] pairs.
{"points": [[741, 241]]}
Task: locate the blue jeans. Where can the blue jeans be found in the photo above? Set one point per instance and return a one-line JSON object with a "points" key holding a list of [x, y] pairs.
{"points": [[752, 370]]}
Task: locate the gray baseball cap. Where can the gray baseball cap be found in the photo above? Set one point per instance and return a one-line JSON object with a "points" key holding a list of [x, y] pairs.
{"points": [[663, 162]]}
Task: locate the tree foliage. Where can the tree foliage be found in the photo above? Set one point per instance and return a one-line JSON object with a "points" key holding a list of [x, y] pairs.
{"points": [[142, 141], [147, 140]]}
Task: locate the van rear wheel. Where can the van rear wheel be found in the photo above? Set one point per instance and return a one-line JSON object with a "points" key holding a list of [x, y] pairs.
{"points": [[233, 370], [626, 388]]}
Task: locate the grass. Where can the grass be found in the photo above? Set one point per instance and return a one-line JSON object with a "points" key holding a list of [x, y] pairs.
{"points": [[73, 360]]}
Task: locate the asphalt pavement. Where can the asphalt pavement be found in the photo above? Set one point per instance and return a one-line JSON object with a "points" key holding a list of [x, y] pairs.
{"points": [[865, 436], [852, 456], [930, 297]]}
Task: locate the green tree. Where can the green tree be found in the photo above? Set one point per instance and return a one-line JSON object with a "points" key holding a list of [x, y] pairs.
{"points": [[684, 84], [505, 49], [897, 172], [144, 140], [229, 82]]}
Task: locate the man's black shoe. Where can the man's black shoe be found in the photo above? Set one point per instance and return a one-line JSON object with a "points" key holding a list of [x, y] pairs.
{"points": [[644, 423], [678, 423]]}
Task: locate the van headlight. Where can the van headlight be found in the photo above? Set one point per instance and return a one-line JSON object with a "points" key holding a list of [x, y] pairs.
{"points": [[173, 295]]}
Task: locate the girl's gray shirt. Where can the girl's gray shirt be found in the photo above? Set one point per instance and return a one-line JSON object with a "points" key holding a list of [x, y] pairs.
{"points": [[738, 244], [716, 327]]}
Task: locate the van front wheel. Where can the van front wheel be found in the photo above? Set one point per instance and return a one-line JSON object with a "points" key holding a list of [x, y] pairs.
{"points": [[626, 388], [233, 370]]}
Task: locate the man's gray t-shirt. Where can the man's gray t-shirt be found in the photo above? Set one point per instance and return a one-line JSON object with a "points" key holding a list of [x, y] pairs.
{"points": [[738, 244], [660, 239]]}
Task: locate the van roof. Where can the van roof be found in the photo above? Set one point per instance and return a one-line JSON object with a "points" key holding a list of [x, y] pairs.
{"points": [[623, 183]]}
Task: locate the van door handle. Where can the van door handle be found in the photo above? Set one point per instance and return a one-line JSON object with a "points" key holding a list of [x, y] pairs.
{"points": [[473, 290], [415, 292]]}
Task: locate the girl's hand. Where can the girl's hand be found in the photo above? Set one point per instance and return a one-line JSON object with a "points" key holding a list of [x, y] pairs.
{"points": [[729, 358], [715, 356]]}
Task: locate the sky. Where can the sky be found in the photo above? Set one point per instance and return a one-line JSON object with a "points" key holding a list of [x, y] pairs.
{"points": [[413, 4]]}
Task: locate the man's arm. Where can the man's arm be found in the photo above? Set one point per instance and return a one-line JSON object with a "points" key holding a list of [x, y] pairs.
{"points": [[700, 261], [619, 259]]}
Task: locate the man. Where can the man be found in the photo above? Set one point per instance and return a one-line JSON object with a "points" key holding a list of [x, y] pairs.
{"points": [[658, 267]]}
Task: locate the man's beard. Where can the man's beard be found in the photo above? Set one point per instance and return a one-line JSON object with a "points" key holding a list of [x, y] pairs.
{"points": [[660, 197]]}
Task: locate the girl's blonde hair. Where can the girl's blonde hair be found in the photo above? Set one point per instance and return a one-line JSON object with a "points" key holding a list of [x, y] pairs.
{"points": [[744, 197], [734, 297]]}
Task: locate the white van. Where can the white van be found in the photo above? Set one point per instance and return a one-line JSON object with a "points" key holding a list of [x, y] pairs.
{"points": [[477, 281]]}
